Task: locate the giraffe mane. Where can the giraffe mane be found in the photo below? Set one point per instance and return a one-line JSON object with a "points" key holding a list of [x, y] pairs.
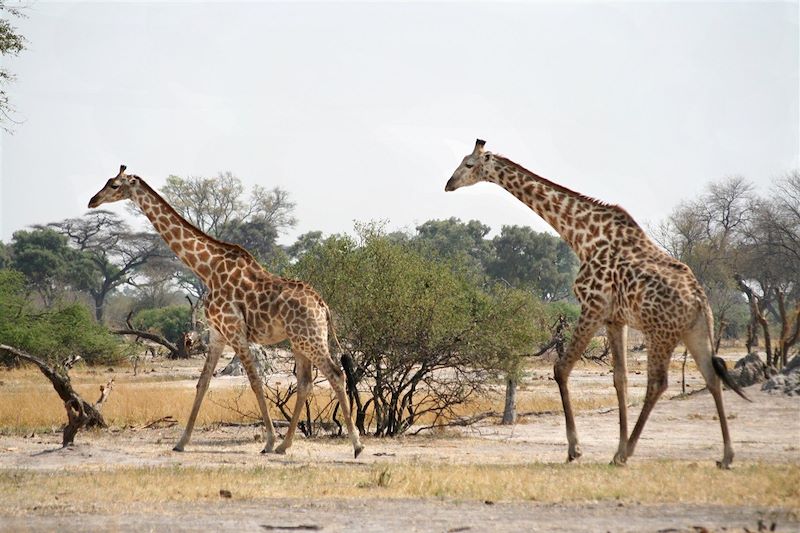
{"points": [[174, 212], [568, 191]]}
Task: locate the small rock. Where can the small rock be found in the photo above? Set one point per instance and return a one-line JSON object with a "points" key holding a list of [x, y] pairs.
{"points": [[225, 493]]}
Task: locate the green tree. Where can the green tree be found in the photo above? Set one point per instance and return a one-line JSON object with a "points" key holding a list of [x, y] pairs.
{"points": [[171, 321], [55, 334], [111, 255], [536, 261], [459, 242], [48, 263], [422, 339]]}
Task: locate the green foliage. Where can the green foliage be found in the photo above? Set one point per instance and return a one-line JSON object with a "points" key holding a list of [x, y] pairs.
{"points": [[422, 334], [455, 241], [55, 334], [540, 262], [50, 266], [171, 321]]}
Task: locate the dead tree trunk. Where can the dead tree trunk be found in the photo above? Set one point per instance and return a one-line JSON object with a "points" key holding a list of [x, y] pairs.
{"points": [[80, 413], [757, 313], [790, 328], [510, 409]]}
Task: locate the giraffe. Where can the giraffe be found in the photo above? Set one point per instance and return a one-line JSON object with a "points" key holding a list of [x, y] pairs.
{"points": [[245, 303], [624, 279]]}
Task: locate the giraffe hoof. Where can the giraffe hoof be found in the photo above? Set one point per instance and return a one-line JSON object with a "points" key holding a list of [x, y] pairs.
{"points": [[573, 455], [619, 460], [357, 451], [280, 450], [724, 465], [269, 445], [178, 448]]}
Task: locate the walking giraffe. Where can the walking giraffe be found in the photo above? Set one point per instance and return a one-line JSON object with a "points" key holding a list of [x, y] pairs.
{"points": [[245, 303], [624, 279]]}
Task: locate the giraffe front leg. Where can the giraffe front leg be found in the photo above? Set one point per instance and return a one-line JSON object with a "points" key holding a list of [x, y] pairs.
{"points": [[587, 325], [216, 345], [658, 357], [242, 348], [617, 338]]}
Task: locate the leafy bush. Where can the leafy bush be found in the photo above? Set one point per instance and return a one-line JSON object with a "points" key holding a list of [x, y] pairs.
{"points": [[171, 321], [423, 336], [65, 331]]}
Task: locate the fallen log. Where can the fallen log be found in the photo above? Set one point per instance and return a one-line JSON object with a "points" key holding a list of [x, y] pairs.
{"points": [[80, 413]]}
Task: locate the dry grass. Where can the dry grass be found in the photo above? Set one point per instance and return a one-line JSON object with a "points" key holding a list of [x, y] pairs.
{"points": [[655, 482], [28, 402]]}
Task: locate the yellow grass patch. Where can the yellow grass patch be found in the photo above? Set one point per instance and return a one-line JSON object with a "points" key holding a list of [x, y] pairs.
{"points": [[653, 482], [29, 403]]}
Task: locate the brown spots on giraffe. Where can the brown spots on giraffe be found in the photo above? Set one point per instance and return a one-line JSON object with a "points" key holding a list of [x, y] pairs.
{"points": [[203, 270]]}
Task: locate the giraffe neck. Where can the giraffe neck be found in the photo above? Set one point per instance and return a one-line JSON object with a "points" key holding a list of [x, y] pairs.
{"points": [[581, 221], [198, 251]]}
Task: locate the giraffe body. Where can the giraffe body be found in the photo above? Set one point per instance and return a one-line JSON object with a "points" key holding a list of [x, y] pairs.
{"points": [[624, 280], [245, 303]]}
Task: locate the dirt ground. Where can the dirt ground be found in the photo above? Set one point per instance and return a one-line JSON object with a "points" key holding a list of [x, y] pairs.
{"points": [[765, 431]]}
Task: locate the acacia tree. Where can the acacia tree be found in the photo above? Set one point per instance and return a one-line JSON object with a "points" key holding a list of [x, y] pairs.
{"points": [[114, 253], [50, 266], [418, 339]]}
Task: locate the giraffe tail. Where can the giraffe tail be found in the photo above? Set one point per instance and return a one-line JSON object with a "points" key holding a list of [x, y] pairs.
{"points": [[332, 328], [720, 367]]}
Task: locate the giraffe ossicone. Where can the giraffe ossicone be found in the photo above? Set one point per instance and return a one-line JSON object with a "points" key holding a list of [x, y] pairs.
{"points": [[245, 303], [624, 280]]}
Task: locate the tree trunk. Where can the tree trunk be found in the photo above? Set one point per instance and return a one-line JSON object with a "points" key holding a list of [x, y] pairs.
{"points": [[510, 409]]}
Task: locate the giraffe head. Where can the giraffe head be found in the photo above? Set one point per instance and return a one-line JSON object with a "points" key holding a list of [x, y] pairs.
{"points": [[473, 168], [117, 188]]}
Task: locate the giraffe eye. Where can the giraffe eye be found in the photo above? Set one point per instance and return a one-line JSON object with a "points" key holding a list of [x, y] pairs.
{"points": [[469, 165], [115, 186]]}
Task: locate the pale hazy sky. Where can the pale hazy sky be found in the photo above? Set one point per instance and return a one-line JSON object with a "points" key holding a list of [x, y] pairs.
{"points": [[362, 110]]}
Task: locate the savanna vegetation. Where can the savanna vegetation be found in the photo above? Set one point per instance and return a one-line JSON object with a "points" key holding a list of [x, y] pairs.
{"points": [[427, 321]]}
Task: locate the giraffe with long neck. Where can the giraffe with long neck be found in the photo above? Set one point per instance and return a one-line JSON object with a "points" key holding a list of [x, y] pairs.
{"points": [[245, 303], [624, 279]]}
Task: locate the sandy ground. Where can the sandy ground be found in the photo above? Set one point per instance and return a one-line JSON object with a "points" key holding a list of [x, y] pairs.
{"points": [[767, 430], [412, 516]]}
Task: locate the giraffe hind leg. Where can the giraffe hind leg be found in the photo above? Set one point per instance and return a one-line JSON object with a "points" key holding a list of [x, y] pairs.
{"points": [[304, 386], [658, 358], [335, 376], [698, 342]]}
